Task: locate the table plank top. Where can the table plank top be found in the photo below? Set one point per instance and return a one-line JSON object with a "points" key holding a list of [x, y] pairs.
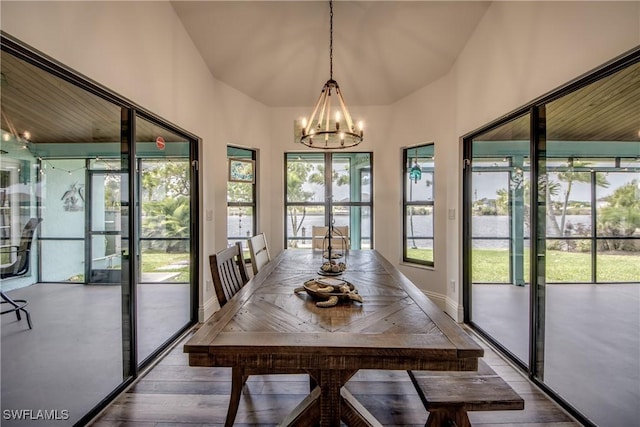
{"points": [[395, 327]]}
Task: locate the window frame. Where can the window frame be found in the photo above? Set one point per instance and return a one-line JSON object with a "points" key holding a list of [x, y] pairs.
{"points": [[254, 192], [406, 157], [328, 163]]}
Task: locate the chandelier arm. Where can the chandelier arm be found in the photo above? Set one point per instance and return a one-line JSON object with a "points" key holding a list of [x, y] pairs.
{"points": [[323, 108], [326, 126], [313, 115], [345, 111]]}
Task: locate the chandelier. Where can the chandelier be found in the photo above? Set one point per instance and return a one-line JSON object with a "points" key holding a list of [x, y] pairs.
{"points": [[326, 130]]}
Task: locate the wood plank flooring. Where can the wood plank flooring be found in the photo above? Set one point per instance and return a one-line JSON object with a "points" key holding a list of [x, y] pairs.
{"points": [[173, 394]]}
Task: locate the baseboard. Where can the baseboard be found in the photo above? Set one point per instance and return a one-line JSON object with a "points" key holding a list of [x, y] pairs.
{"points": [[455, 310], [208, 309], [439, 299], [447, 304]]}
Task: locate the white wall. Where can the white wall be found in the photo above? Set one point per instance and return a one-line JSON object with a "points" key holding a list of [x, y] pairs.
{"points": [[427, 116], [56, 182], [141, 51]]}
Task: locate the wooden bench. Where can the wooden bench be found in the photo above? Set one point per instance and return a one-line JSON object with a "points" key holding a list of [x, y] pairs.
{"points": [[449, 395]]}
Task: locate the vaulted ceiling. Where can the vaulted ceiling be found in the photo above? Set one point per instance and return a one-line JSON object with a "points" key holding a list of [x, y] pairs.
{"points": [[277, 52]]}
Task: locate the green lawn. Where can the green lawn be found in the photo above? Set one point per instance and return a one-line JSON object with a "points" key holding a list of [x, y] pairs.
{"points": [[167, 263], [421, 254], [489, 265], [492, 266]]}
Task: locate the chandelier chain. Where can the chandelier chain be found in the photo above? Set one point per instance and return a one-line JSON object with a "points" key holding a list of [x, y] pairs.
{"points": [[331, 40], [330, 132]]}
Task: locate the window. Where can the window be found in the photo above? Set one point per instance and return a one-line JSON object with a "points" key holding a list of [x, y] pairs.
{"points": [[241, 195], [325, 188], [417, 206]]}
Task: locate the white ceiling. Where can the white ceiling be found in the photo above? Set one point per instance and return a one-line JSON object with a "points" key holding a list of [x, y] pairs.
{"points": [[277, 52]]}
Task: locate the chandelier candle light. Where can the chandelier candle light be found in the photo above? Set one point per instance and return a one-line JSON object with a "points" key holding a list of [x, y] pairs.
{"points": [[322, 130]]}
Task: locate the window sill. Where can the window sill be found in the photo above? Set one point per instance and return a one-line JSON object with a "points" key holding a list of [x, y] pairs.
{"points": [[419, 266]]}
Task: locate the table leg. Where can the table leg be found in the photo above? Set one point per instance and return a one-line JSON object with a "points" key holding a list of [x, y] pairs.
{"points": [[306, 413], [331, 381], [329, 403], [354, 414]]}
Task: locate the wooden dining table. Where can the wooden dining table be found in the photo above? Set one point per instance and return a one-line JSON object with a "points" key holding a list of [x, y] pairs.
{"points": [[269, 326]]}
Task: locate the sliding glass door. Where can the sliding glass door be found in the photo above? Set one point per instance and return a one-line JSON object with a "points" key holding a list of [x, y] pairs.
{"points": [[592, 252], [500, 234], [113, 264], [164, 237], [552, 275], [60, 149]]}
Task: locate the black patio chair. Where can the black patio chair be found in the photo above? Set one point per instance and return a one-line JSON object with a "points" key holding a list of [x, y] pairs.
{"points": [[19, 267]]}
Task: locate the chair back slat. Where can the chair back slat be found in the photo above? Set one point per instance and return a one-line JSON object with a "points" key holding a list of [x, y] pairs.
{"points": [[340, 236], [259, 252], [23, 253], [228, 272]]}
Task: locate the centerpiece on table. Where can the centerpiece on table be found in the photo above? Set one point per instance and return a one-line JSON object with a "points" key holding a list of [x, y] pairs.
{"points": [[335, 246], [329, 291]]}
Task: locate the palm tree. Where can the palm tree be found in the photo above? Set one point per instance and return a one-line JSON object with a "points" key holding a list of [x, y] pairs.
{"points": [[571, 176]]}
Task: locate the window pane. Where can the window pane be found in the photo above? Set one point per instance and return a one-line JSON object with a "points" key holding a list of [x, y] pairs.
{"points": [[419, 173], [350, 177], [618, 206], [490, 261], [419, 232], [305, 178], [568, 261], [569, 212], [300, 220], [240, 223], [341, 216], [165, 198], [500, 223], [163, 291], [240, 192], [165, 261], [341, 178], [622, 265], [365, 187]]}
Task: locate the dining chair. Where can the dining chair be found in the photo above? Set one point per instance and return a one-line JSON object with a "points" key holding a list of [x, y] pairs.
{"points": [[340, 236], [228, 272], [259, 252], [317, 235], [229, 276]]}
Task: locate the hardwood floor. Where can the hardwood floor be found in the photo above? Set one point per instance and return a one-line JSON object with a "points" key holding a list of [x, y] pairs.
{"points": [[173, 394]]}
